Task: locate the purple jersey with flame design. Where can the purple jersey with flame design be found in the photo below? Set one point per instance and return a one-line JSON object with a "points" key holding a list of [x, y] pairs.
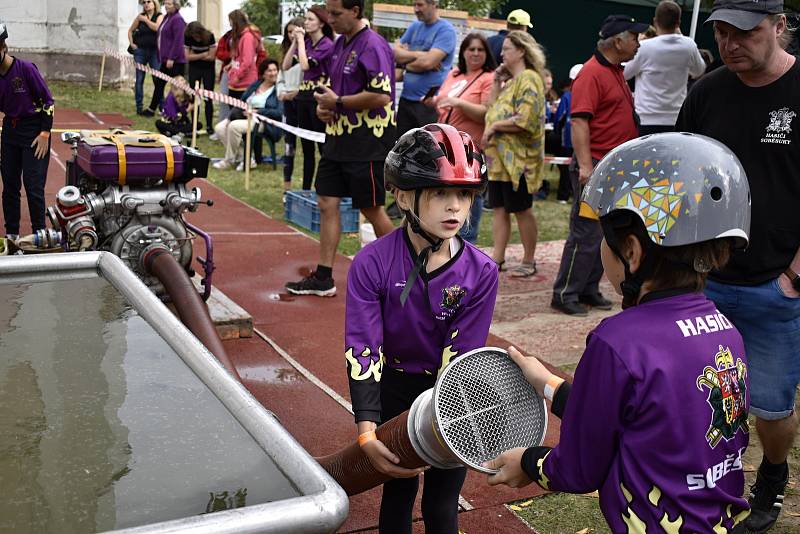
{"points": [[656, 420], [448, 313], [364, 63]]}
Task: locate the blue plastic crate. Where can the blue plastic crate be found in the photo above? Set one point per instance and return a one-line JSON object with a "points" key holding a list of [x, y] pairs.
{"points": [[301, 209]]}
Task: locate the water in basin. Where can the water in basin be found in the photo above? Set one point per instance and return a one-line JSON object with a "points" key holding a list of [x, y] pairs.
{"points": [[103, 426]]}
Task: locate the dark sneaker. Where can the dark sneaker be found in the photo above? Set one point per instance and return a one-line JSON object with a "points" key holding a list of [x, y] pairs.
{"points": [[570, 308], [148, 113], [310, 285], [766, 501], [596, 301]]}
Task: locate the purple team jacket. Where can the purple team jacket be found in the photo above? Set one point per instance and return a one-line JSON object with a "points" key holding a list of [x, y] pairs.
{"points": [[436, 325], [24, 95], [171, 38], [656, 420]]}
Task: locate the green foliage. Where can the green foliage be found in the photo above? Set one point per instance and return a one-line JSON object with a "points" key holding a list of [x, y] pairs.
{"points": [[266, 14]]}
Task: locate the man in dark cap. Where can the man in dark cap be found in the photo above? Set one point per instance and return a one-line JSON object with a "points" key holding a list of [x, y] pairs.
{"points": [[602, 117], [27, 106], [750, 105]]}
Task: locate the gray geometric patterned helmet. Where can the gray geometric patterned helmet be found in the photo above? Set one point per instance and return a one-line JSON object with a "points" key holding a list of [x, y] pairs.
{"points": [[686, 188]]}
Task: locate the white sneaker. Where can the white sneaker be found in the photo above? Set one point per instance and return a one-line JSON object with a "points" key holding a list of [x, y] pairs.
{"points": [[222, 164], [214, 137], [240, 166]]}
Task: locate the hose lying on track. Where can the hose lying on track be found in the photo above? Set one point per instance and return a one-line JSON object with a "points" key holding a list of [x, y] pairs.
{"points": [[188, 303]]}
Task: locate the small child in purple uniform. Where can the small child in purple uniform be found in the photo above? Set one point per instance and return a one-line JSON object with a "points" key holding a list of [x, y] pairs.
{"points": [[656, 418], [417, 298], [28, 107], [176, 113]]}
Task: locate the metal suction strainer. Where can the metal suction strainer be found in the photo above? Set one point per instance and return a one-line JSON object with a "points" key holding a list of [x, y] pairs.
{"points": [[480, 407]]}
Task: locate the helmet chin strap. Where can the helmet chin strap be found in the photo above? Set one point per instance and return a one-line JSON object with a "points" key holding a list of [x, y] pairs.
{"points": [[631, 286], [424, 254]]}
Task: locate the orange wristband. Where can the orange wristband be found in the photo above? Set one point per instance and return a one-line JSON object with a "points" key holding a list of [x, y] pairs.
{"points": [[552, 385], [366, 437]]}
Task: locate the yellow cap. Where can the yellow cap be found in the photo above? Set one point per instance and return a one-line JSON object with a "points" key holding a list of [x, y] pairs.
{"points": [[520, 17]]}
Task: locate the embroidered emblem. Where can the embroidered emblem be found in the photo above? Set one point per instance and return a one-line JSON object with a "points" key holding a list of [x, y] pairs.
{"points": [[17, 85], [451, 298], [727, 396]]}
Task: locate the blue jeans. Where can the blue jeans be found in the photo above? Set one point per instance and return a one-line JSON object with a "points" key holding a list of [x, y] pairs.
{"points": [[470, 232], [769, 323], [143, 56]]}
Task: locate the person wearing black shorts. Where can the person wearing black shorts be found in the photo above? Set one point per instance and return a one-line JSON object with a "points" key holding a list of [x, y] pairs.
{"points": [[502, 195], [358, 110]]}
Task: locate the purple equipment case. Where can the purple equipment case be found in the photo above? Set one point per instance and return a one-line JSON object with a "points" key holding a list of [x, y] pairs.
{"points": [[143, 162]]}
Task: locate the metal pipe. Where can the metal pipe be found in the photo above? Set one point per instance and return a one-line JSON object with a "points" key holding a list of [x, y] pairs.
{"points": [[480, 406], [191, 309], [695, 15]]}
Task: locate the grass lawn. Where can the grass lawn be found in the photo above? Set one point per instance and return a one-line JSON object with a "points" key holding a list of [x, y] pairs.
{"points": [[266, 184]]}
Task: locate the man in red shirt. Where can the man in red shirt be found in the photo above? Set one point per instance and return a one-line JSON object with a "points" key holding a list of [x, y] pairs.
{"points": [[602, 117]]}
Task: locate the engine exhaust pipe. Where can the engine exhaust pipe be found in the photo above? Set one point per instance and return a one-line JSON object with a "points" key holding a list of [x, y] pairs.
{"points": [[191, 309], [480, 406]]}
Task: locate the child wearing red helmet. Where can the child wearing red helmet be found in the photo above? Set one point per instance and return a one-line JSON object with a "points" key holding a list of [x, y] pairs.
{"points": [[417, 298]]}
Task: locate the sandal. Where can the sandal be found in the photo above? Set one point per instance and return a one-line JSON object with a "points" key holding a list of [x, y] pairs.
{"points": [[501, 266], [524, 270]]}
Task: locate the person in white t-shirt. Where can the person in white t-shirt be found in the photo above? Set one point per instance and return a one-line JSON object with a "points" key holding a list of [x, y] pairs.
{"points": [[662, 68]]}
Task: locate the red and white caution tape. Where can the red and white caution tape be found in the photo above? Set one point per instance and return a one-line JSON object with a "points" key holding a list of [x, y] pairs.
{"points": [[311, 135], [552, 160]]}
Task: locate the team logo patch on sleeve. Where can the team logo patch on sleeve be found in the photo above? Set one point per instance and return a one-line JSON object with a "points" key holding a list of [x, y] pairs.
{"points": [[727, 396]]}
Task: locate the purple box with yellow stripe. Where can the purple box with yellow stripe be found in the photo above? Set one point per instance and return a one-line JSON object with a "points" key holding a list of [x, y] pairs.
{"points": [[130, 159]]}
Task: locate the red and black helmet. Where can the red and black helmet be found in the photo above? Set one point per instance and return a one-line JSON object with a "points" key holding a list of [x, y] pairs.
{"points": [[436, 155]]}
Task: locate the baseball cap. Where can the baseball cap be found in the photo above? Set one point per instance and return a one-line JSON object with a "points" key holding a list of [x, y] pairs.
{"points": [[744, 14], [520, 17], [573, 72], [615, 24], [3, 31]]}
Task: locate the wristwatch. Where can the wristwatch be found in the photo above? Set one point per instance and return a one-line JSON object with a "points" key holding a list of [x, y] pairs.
{"points": [[339, 103], [793, 278]]}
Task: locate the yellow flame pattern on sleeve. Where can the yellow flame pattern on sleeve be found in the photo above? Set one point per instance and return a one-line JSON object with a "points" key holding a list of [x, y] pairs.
{"points": [[381, 82], [448, 353], [543, 480], [374, 370]]}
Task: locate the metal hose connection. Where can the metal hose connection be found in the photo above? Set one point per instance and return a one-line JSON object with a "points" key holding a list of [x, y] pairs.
{"points": [[480, 406]]}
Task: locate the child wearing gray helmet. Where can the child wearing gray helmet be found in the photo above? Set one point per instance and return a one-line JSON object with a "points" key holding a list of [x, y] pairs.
{"points": [[656, 418]]}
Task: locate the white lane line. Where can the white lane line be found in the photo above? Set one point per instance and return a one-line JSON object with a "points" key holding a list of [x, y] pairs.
{"points": [[94, 117], [54, 155], [462, 502], [305, 372]]}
